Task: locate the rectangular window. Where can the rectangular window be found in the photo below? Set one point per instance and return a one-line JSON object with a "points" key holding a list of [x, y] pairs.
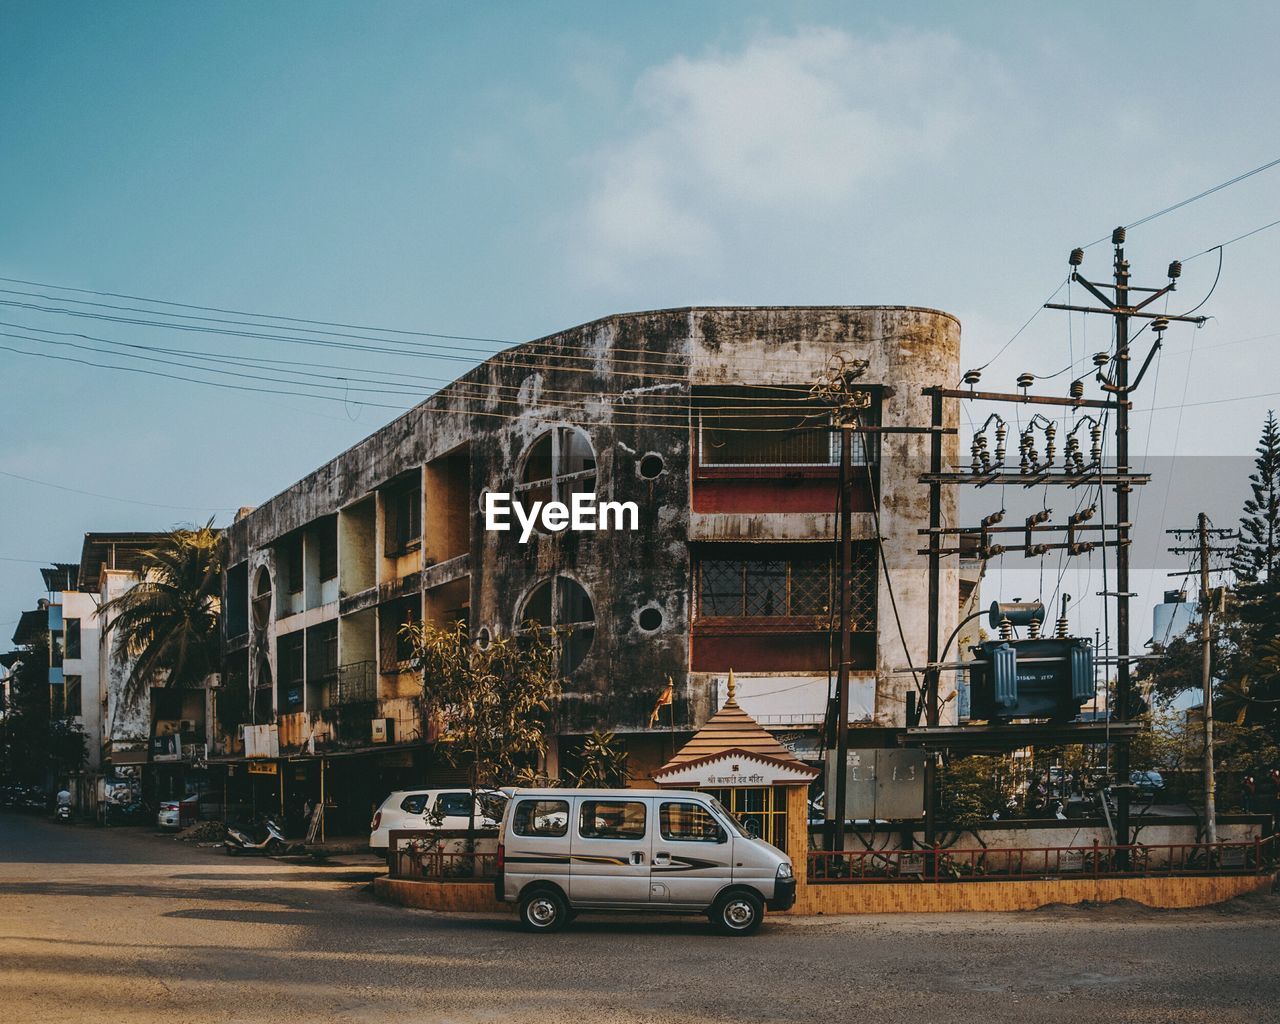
{"points": [[541, 818], [799, 584], [686, 822], [778, 425], [57, 700], [396, 648], [612, 819], [453, 805], [292, 552], [415, 804], [73, 696], [327, 540], [289, 655], [322, 652], [403, 519], [71, 628]]}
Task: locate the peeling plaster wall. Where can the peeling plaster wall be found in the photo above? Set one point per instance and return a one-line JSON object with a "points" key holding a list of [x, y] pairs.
{"points": [[528, 390], [127, 721]]}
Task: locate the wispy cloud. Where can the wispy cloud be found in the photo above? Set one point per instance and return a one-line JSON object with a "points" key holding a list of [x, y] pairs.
{"points": [[788, 125]]}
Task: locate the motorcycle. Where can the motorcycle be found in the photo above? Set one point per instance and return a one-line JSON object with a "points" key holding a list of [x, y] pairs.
{"points": [[63, 813], [270, 841]]}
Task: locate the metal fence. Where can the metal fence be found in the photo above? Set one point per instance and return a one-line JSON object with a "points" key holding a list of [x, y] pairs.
{"points": [[937, 864], [442, 855]]}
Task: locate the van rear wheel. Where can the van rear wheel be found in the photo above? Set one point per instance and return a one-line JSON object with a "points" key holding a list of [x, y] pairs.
{"points": [[543, 910], [738, 913]]}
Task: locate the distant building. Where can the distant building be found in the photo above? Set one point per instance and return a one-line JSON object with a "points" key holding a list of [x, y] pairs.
{"points": [[86, 675]]}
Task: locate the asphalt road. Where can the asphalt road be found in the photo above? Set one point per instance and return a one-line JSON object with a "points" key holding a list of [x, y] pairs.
{"points": [[122, 925]]}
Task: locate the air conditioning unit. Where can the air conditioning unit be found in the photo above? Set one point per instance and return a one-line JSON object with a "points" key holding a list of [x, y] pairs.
{"points": [[384, 730], [187, 725]]}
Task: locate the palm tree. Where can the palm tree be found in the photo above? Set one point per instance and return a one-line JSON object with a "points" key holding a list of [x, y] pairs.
{"points": [[167, 623]]}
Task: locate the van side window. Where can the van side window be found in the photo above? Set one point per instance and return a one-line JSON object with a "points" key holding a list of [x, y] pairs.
{"points": [[453, 805], [612, 819], [415, 803], [492, 805], [541, 818], [685, 822]]}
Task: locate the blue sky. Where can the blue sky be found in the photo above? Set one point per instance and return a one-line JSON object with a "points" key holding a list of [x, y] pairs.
{"points": [[506, 170]]}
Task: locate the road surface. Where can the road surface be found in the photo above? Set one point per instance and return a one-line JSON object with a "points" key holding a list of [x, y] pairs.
{"points": [[126, 926]]}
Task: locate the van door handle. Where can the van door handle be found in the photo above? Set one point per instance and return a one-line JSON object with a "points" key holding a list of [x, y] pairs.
{"points": [[637, 857], [662, 858]]}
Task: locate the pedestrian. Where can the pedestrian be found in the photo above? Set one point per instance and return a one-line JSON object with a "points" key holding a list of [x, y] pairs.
{"points": [[1248, 789]]}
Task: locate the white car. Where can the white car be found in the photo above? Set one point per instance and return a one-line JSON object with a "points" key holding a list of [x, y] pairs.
{"points": [[429, 809]]}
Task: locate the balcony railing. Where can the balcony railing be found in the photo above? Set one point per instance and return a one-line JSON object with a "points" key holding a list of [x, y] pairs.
{"points": [[935, 864], [355, 683]]}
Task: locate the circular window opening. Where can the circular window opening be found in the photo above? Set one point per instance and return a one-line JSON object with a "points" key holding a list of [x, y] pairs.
{"points": [[484, 638], [262, 598], [562, 606], [650, 619], [558, 465], [651, 466]]}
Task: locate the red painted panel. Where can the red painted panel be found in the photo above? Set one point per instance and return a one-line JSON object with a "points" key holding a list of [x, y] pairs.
{"points": [[807, 494], [791, 652], [753, 650]]}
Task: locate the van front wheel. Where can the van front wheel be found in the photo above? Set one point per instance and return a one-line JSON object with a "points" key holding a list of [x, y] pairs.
{"points": [[543, 911], [738, 913]]}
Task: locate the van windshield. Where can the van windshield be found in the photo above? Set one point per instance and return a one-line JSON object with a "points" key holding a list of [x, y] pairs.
{"points": [[726, 816]]}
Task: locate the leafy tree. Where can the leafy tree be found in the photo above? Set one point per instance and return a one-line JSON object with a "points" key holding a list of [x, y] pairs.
{"points": [[166, 625], [27, 718], [601, 764], [973, 788], [1256, 556], [35, 741], [491, 705]]}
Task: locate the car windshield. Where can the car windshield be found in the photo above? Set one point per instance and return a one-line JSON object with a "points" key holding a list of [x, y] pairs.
{"points": [[726, 816]]}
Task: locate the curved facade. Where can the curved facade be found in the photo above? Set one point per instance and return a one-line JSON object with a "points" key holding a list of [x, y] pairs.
{"points": [[700, 417]]}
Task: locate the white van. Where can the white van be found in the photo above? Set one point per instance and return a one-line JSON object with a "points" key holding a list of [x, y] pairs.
{"points": [[561, 851]]}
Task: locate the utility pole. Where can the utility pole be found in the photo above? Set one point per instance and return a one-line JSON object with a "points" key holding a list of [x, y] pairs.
{"points": [[1202, 551], [1122, 307], [835, 386]]}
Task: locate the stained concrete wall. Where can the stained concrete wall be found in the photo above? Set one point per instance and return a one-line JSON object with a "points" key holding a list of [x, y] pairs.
{"points": [[598, 377]]}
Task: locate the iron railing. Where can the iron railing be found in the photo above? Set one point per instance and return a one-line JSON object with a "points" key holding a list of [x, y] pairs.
{"points": [[936, 864], [355, 683], [441, 855]]}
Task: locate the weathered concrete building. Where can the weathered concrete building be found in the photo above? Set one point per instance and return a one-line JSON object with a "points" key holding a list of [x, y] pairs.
{"points": [[703, 418]]}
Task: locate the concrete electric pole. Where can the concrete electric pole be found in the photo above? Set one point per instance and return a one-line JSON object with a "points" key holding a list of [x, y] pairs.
{"points": [[1201, 552]]}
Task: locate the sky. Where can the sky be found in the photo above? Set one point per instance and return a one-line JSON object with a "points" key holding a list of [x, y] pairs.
{"points": [[506, 170]]}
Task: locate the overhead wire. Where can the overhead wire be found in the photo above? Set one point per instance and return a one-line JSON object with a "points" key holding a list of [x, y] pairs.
{"points": [[660, 413], [1192, 199], [113, 497]]}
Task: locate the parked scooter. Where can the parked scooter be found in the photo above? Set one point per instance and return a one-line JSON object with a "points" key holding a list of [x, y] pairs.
{"points": [[270, 841], [63, 813]]}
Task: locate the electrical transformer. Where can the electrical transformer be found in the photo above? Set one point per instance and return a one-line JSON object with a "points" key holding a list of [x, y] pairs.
{"points": [[1036, 677]]}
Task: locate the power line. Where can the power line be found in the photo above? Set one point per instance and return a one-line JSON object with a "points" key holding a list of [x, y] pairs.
{"points": [[239, 312], [1232, 241], [678, 416], [109, 497], [1192, 199]]}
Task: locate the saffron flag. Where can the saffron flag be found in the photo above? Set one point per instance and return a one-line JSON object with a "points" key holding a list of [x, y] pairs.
{"points": [[664, 700]]}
